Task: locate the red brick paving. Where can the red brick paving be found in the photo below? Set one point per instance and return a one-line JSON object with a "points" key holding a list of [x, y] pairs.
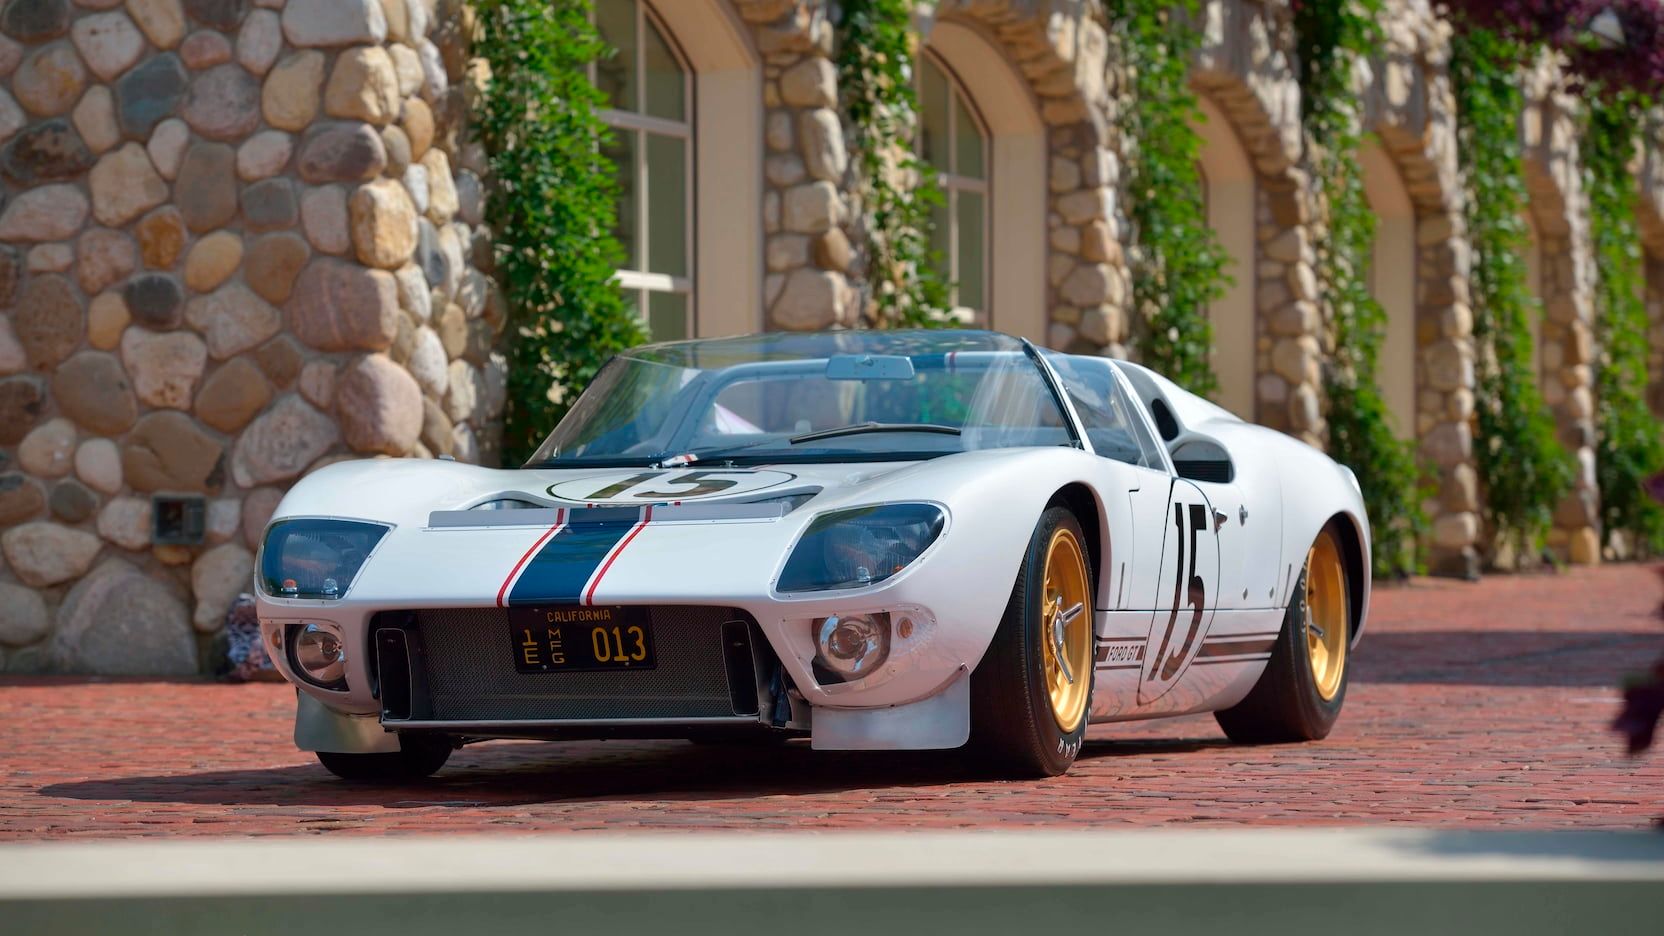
{"points": [[1471, 705]]}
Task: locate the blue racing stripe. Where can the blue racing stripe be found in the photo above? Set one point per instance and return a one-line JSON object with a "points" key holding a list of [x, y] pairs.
{"points": [[559, 571]]}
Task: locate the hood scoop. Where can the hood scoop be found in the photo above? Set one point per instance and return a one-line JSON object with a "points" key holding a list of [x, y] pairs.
{"points": [[580, 515]]}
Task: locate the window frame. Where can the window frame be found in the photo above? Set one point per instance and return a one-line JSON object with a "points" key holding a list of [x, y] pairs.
{"points": [[951, 183], [643, 282]]}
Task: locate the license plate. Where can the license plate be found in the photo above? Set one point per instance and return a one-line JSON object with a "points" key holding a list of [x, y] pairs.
{"points": [[573, 639]]}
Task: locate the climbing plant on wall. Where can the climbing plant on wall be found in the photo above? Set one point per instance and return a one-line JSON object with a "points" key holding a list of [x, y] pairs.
{"points": [[1178, 266], [1522, 466], [551, 207], [877, 48], [1628, 447], [1332, 36]]}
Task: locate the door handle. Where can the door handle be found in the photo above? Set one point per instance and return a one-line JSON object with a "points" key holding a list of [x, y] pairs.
{"points": [[1242, 515]]}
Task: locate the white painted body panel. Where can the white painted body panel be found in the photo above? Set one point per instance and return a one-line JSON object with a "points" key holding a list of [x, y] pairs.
{"points": [[957, 590]]}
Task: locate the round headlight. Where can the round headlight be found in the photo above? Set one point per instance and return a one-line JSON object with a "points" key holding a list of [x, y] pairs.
{"points": [[852, 646], [321, 655]]}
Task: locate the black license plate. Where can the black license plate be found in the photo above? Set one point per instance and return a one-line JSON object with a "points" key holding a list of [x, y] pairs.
{"points": [[573, 639]]}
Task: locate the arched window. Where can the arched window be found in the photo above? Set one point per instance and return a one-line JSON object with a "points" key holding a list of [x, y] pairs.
{"points": [[650, 98], [954, 140]]}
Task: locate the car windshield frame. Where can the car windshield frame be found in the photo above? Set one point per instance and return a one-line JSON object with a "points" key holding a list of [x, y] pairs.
{"points": [[671, 390]]}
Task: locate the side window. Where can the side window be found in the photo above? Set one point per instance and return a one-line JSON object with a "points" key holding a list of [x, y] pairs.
{"points": [[1106, 413], [1140, 429]]}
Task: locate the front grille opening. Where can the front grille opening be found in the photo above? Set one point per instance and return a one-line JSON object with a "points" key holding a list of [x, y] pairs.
{"points": [[460, 667]]}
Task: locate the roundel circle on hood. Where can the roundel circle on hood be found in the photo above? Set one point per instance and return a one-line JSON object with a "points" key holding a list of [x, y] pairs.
{"points": [[661, 485]]}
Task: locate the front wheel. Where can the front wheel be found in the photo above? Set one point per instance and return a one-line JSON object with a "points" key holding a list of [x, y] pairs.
{"points": [[1029, 695], [1298, 697], [416, 759]]}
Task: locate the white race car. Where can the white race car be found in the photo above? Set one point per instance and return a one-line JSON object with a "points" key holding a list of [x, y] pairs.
{"points": [[878, 540]]}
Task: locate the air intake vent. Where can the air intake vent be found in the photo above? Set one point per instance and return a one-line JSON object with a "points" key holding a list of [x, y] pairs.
{"points": [[1200, 469]]}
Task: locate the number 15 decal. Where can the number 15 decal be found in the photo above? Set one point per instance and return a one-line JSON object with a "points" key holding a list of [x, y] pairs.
{"points": [[636, 486], [1169, 660]]}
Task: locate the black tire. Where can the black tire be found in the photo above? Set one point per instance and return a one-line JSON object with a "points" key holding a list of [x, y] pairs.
{"points": [[1284, 706], [1012, 725], [417, 759]]}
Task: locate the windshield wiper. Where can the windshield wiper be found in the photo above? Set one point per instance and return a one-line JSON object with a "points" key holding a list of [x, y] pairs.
{"points": [[710, 454], [859, 428]]}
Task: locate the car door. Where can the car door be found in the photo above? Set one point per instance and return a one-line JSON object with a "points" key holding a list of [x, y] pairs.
{"points": [[1115, 429], [1188, 591]]}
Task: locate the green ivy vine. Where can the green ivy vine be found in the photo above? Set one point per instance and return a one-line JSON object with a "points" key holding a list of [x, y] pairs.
{"points": [[551, 207], [897, 189], [1178, 266], [1332, 36], [1628, 447], [1522, 466]]}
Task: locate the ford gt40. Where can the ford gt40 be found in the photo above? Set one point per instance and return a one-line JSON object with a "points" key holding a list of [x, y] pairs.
{"points": [[872, 540]]}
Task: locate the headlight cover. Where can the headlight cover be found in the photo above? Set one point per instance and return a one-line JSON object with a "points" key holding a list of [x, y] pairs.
{"points": [[860, 547], [316, 558]]}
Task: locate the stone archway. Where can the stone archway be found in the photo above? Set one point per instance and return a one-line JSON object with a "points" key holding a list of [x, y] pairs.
{"points": [[1566, 288], [1061, 54], [1016, 174], [1249, 81], [1409, 107]]}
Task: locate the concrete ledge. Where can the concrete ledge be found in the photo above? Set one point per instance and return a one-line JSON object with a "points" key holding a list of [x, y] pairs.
{"points": [[1352, 881]]}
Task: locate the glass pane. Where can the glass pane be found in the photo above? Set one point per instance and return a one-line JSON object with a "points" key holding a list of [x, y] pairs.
{"points": [[967, 141], [622, 152], [667, 316], [666, 94], [971, 233], [941, 233], [667, 205], [616, 75], [933, 115]]}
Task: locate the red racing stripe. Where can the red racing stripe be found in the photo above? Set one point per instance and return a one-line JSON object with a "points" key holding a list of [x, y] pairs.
{"points": [[589, 593], [560, 521]]}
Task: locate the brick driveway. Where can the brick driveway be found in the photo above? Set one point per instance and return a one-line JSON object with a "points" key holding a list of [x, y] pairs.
{"points": [[1472, 705]]}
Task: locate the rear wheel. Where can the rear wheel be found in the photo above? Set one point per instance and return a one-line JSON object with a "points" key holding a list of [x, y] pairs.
{"points": [[416, 759], [1299, 696], [1030, 693]]}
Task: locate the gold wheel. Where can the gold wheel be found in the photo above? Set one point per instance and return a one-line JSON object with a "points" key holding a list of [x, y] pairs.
{"points": [[1326, 615], [1066, 630]]}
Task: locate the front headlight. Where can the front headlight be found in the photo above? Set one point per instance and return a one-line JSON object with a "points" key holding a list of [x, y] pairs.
{"points": [[315, 558], [860, 547]]}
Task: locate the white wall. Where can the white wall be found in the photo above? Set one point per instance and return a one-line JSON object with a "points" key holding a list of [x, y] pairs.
{"points": [[1393, 281], [1229, 180]]}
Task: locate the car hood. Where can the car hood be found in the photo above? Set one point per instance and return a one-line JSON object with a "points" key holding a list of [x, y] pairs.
{"points": [[700, 547]]}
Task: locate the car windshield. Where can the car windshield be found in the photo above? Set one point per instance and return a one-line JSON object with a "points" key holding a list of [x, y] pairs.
{"points": [[837, 396]]}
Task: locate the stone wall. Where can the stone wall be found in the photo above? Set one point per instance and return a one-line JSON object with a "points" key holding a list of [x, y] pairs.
{"points": [[1560, 208], [808, 209], [238, 241]]}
